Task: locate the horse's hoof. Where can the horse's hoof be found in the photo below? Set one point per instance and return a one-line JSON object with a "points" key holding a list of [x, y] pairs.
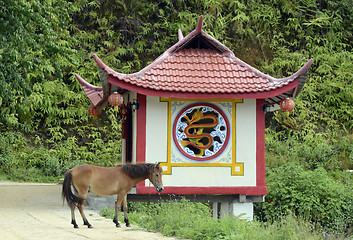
{"points": [[75, 226], [128, 225], [90, 226], [118, 225]]}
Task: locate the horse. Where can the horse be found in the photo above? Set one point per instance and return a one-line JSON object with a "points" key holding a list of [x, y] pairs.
{"points": [[106, 181]]}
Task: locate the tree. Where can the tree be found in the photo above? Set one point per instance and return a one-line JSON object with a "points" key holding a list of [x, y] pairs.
{"points": [[33, 43]]}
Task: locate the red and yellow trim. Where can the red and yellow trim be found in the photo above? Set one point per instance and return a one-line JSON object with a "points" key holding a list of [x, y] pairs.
{"points": [[237, 169]]}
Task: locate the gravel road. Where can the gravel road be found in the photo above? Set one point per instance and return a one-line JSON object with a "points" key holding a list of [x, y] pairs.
{"points": [[36, 211]]}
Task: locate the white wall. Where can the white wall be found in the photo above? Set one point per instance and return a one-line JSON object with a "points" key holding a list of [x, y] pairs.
{"points": [[246, 139], [156, 130]]}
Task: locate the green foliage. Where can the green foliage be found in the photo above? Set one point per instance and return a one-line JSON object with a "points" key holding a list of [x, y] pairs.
{"points": [[41, 97], [20, 156], [193, 221], [312, 195], [318, 150], [32, 45]]}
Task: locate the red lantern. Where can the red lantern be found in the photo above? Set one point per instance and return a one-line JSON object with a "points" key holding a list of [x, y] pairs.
{"points": [[287, 105], [93, 111], [123, 111], [116, 99]]}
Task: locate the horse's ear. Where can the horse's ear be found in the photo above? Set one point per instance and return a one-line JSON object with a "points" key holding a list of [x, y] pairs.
{"points": [[157, 164]]}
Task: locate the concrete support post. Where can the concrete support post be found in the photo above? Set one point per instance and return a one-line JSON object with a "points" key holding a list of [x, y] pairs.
{"points": [[215, 210], [243, 210], [225, 209]]}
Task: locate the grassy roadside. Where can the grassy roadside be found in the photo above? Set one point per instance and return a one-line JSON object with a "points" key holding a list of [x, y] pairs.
{"points": [[193, 221]]}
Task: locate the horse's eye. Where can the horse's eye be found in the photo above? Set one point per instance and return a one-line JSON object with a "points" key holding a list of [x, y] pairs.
{"points": [[157, 175]]}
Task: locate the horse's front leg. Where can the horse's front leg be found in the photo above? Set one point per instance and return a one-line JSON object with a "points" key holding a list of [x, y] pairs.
{"points": [[117, 206], [126, 220]]}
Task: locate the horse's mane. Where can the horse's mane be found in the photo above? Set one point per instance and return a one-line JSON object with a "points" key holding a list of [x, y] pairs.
{"points": [[138, 170]]}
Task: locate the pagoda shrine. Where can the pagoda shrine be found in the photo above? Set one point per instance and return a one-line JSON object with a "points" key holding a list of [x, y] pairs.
{"points": [[200, 111]]}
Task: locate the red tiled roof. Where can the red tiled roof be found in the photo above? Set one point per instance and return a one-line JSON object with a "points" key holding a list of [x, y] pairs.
{"points": [[211, 71], [202, 71]]}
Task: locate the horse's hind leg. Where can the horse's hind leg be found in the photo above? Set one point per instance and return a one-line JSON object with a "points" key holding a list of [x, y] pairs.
{"points": [[126, 220], [80, 208], [73, 220]]}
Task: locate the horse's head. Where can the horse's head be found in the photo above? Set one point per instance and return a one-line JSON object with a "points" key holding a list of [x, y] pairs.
{"points": [[156, 177]]}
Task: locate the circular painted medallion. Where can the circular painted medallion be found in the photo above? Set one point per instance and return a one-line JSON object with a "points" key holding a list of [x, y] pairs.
{"points": [[201, 131]]}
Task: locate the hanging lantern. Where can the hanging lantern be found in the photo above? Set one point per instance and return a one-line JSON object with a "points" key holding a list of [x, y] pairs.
{"points": [[116, 100], [93, 111], [123, 111], [287, 105]]}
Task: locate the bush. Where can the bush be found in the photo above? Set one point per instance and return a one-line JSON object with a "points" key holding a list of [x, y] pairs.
{"points": [[52, 166], [28, 158], [8, 141], [313, 195], [330, 151]]}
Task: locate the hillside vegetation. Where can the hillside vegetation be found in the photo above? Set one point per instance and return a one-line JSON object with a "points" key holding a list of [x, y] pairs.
{"points": [[45, 127]]}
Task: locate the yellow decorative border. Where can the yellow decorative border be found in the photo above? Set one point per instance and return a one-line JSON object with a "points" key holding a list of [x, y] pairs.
{"points": [[237, 169]]}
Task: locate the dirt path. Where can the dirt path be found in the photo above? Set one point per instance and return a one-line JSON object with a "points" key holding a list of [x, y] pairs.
{"points": [[35, 211]]}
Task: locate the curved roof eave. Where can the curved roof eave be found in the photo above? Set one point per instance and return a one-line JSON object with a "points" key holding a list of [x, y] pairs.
{"points": [[114, 78], [301, 71], [94, 93]]}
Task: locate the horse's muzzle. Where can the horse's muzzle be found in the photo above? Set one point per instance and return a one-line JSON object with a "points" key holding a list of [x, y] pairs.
{"points": [[159, 188]]}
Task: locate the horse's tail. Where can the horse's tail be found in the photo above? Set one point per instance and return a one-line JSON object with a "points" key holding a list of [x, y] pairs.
{"points": [[71, 199]]}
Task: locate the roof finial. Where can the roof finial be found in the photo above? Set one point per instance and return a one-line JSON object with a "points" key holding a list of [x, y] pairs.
{"points": [[199, 25], [180, 34]]}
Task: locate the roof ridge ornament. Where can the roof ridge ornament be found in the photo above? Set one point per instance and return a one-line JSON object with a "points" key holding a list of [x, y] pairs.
{"points": [[199, 24], [180, 35]]}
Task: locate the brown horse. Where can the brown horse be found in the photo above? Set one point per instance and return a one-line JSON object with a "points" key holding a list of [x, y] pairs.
{"points": [[104, 181]]}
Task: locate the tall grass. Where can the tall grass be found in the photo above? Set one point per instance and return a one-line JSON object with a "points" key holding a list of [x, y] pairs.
{"points": [[193, 221]]}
